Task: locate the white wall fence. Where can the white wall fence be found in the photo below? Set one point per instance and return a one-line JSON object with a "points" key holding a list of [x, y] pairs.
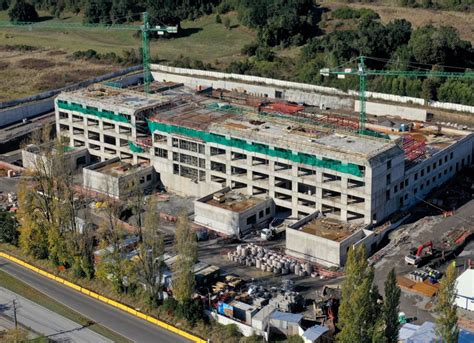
{"points": [[16, 110], [77, 85], [311, 88]]}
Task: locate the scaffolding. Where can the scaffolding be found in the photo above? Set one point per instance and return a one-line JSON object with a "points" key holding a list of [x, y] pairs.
{"points": [[413, 149]]}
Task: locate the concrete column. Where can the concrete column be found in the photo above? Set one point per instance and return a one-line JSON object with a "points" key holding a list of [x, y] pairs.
{"points": [[319, 190], [228, 167], [271, 178]]}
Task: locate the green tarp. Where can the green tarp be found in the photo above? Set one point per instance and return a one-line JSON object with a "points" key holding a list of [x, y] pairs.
{"points": [[134, 147], [92, 111], [303, 158]]}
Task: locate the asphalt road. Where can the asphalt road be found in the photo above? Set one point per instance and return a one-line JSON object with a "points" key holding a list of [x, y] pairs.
{"points": [[46, 322], [123, 323]]}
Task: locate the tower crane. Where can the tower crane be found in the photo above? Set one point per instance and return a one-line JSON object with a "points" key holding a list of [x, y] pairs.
{"points": [[145, 30], [363, 73]]}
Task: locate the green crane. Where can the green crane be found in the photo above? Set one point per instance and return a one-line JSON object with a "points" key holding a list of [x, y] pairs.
{"points": [[363, 72], [145, 30]]}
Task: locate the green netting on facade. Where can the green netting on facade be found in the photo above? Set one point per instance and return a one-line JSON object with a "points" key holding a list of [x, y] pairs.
{"points": [[92, 111], [134, 147], [113, 84], [303, 158], [215, 106]]}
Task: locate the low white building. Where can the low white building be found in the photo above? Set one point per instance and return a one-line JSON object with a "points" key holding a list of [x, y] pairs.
{"points": [[465, 290], [232, 213], [326, 240]]}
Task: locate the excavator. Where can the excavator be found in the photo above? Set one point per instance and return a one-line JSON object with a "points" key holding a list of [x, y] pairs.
{"points": [[451, 244], [415, 257]]}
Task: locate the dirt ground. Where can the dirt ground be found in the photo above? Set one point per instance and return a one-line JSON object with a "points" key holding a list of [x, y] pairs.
{"points": [[420, 230], [39, 70]]}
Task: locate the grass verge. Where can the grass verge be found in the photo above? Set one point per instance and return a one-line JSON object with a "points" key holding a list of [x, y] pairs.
{"points": [[9, 282]]}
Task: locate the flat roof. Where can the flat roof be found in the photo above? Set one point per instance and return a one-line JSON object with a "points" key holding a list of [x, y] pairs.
{"points": [[234, 201], [120, 168], [103, 96], [329, 228], [285, 131]]}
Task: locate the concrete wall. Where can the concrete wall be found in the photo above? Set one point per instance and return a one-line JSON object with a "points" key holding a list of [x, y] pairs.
{"points": [[115, 186], [246, 330], [53, 92], [321, 250], [307, 87], [306, 96], [36, 105], [404, 112], [16, 114], [230, 222], [100, 182], [32, 159]]}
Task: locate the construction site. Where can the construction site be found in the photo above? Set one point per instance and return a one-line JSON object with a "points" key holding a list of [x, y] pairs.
{"points": [[277, 190]]}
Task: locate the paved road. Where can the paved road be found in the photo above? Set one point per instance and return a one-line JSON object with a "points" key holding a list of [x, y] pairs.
{"points": [[44, 321], [123, 323]]}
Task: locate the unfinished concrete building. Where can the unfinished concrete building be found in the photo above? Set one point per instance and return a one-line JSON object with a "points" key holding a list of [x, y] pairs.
{"points": [[203, 141], [326, 240], [232, 213], [118, 178]]}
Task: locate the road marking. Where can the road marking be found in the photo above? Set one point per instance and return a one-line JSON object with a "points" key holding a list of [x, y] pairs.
{"points": [[106, 300]]}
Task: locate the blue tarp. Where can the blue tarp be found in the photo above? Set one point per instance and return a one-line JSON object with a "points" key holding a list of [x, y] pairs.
{"points": [[466, 336], [425, 334]]}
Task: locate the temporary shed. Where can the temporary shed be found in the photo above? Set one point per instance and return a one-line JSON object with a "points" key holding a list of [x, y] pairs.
{"points": [[285, 323], [316, 334], [465, 290], [261, 319]]}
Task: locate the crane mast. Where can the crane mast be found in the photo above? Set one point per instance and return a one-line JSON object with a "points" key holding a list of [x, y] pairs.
{"points": [[362, 72]]}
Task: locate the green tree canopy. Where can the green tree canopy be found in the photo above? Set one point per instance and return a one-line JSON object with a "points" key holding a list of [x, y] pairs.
{"points": [[8, 228], [22, 11], [390, 308], [446, 323], [359, 311]]}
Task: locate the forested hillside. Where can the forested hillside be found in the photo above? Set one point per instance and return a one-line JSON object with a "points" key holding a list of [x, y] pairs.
{"points": [[296, 38]]}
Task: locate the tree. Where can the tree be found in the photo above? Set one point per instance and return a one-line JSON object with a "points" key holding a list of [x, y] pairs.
{"points": [[218, 19], [186, 249], [22, 11], [390, 307], [359, 310], [8, 228], [150, 256], [446, 323]]}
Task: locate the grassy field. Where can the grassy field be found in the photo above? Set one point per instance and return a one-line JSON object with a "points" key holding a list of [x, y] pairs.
{"points": [[30, 72], [388, 11], [201, 39], [21, 288]]}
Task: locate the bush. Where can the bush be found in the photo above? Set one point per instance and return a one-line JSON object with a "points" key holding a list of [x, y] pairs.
{"points": [[352, 13], [218, 19], [8, 228], [191, 311], [249, 49], [264, 54], [170, 305]]}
